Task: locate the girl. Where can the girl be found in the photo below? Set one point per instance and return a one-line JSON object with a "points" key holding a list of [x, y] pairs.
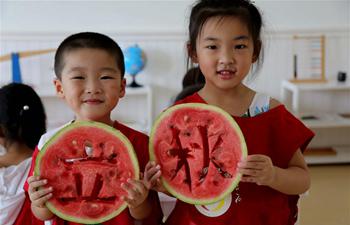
{"points": [[22, 122], [225, 42]]}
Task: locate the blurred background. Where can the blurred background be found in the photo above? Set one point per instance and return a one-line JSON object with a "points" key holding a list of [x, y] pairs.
{"points": [[159, 28]]}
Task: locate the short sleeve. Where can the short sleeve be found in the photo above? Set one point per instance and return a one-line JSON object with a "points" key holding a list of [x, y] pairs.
{"points": [[291, 134]]}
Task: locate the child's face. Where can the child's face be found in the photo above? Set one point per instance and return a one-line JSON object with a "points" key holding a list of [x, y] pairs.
{"points": [[91, 84], [224, 52]]}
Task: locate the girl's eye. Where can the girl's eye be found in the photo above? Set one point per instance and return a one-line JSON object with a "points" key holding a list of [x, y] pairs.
{"points": [[240, 46], [211, 47]]}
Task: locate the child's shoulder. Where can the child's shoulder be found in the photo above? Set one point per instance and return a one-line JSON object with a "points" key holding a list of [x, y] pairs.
{"points": [[129, 132], [45, 137]]}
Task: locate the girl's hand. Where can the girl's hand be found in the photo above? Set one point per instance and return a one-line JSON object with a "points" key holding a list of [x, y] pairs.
{"points": [[38, 197], [137, 192], [151, 177], [257, 169]]}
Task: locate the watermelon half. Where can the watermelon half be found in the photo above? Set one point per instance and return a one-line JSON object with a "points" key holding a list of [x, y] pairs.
{"points": [[198, 147], [85, 163]]}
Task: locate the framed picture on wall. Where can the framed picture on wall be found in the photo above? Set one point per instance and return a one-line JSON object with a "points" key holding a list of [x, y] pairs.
{"points": [[308, 59]]}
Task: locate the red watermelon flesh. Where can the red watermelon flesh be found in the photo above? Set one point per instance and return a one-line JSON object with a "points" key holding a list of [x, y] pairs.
{"points": [[198, 147], [85, 163]]}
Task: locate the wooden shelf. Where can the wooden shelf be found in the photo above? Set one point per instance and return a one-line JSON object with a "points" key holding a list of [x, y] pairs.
{"points": [[325, 120], [341, 156]]}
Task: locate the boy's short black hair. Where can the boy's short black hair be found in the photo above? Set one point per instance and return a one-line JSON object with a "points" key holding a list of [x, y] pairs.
{"points": [[88, 40], [22, 115]]}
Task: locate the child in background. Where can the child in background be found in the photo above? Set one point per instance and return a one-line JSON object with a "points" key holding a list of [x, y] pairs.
{"points": [[225, 42], [22, 122], [90, 77]]}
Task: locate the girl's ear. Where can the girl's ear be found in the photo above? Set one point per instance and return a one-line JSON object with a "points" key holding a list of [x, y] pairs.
{"points": [[257, 49], [58, 87], [192, 53]]}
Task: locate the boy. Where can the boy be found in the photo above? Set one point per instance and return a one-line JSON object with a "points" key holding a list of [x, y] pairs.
{"points": [[90, 77]]}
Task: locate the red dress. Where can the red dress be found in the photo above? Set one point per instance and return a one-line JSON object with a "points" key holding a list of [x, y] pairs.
{"points": [[275, 133], [140, 144]]}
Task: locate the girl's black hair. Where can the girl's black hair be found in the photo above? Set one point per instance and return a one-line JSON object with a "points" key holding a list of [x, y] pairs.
{"points": [[22, 115], [88, 40], [242, 9]]}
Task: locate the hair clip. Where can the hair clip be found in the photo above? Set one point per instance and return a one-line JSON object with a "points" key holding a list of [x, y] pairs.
{"points": [[25, 107]]}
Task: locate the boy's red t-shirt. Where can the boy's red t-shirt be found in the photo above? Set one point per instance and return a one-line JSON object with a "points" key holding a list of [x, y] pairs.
{"points": [[275, 133], [140, 144]]}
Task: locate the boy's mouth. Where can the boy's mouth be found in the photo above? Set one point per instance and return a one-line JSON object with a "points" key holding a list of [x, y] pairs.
{"points": [[93, 101]]}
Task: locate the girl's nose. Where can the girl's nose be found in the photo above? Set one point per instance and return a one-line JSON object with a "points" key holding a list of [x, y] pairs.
{"points": [[226, 57]]}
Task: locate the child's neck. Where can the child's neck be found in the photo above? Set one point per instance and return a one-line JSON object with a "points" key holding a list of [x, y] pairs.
{"points": [[107, 121], [235, 101], [15, 154]]}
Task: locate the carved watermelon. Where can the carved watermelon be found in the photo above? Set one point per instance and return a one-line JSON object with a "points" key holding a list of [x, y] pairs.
{"points": [[198, 147], [85, 163]]}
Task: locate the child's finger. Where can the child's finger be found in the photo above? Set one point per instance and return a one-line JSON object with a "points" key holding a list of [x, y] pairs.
{"points": [[35, 184], [41, 202], [151, 172], [155, 177], [40, 193], [249, 172], [32, 178], [252, 165], [149, 165]]}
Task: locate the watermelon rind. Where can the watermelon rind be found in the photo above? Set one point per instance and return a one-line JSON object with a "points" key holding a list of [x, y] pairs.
{"points": [[233, 123], [107, 128]]}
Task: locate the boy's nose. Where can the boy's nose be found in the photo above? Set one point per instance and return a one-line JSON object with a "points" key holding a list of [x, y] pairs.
{"points": [[93, 88]]}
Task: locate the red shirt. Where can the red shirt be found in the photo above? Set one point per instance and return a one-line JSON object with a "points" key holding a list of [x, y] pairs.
{"points": [[140, 144], [275, 133]]}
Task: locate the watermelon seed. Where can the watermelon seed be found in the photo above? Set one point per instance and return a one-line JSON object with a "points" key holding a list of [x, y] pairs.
{"points": [[187, 133], [186, 118], [111, 173]]}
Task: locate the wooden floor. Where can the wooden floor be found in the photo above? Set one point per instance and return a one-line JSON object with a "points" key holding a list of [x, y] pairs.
{"points": [[328, 200]]}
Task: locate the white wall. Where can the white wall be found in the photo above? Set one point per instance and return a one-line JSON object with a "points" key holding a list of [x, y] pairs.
{"points": [[114, 16], [159, 27]]}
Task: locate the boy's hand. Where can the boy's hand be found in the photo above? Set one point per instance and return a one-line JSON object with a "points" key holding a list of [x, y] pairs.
{"points": [[151, 177], [137, 192], [257, 169], [38, 197]]}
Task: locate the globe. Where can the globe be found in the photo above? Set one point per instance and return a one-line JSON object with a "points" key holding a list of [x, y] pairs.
{"points": [[134, 60]]}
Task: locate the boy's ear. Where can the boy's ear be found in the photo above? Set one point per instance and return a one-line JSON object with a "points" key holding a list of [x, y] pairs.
{"points": [[191, 53], [58, 87], [122, 88], [256, 53]]}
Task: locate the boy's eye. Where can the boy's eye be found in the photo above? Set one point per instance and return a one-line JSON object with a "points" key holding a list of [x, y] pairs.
{"points": [[106, 77], [78, 77], [240, 46]]}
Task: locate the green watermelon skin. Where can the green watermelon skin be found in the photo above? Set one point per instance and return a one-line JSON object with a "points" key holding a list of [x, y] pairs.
{"points": [[198, 147], [87, 188]]}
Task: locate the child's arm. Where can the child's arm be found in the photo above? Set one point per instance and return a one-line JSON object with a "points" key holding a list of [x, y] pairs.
{"points": [[293, 180], [39, 197]]}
